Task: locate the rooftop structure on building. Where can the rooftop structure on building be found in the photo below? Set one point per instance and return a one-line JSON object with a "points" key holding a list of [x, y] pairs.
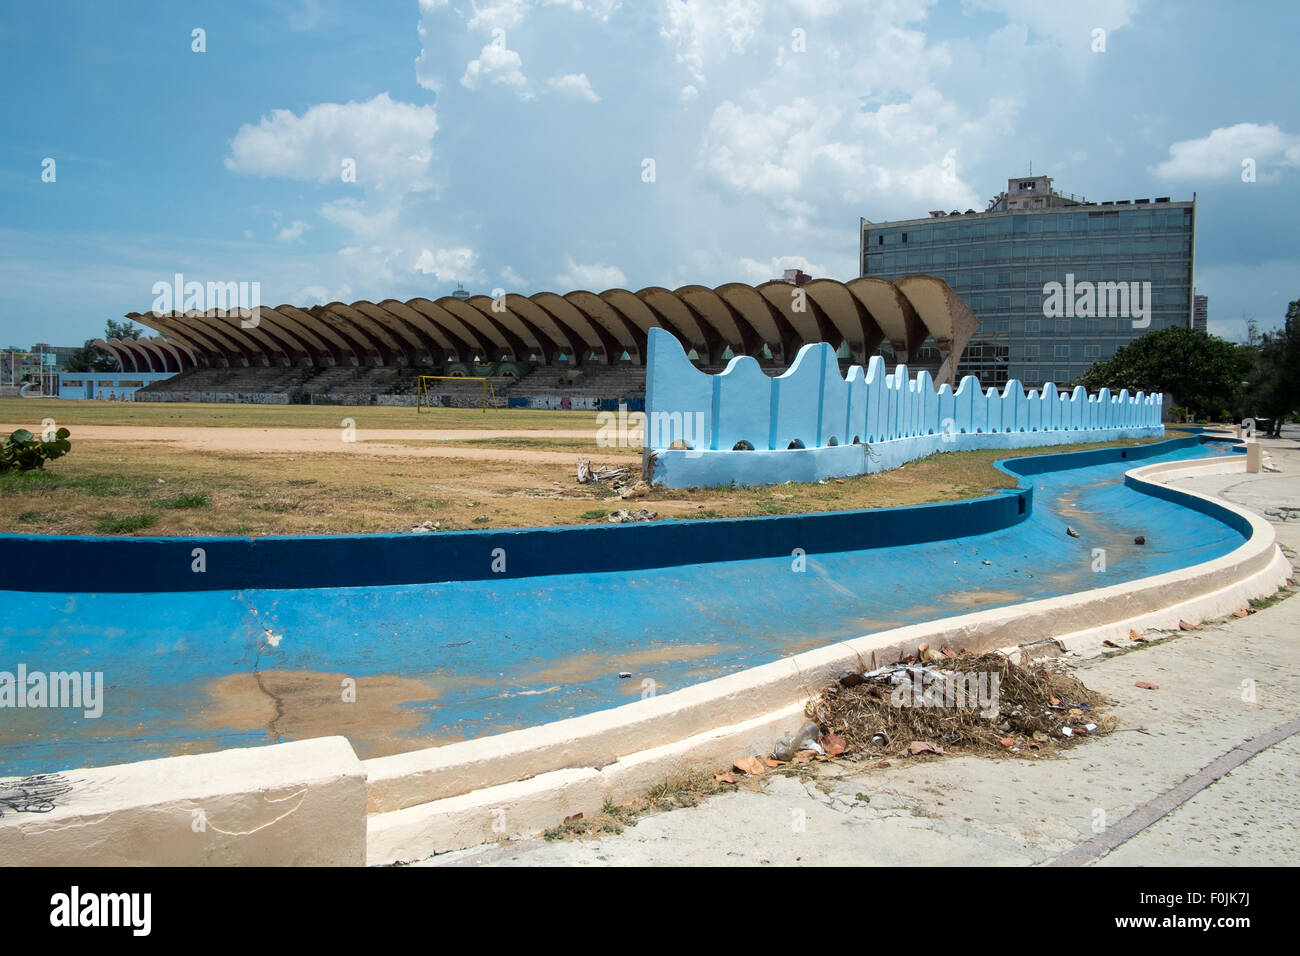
{"points": [[1128, 262]]}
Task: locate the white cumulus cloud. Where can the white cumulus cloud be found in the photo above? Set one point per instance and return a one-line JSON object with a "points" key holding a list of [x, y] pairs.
{"points": [[1222, 152], [595, 277], [447, 265], [293, 231], [497, 65], [575, 85], [390, 143]]}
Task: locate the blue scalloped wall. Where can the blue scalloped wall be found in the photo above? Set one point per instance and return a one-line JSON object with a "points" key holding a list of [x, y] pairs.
{"points": [[812, 422]]}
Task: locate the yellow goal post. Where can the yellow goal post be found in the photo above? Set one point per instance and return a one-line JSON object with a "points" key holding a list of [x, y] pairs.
{"points": [[423, 391]]}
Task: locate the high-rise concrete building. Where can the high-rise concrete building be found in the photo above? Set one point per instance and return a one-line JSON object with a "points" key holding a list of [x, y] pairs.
{"points": [[1201, 313], [1056, 281]]}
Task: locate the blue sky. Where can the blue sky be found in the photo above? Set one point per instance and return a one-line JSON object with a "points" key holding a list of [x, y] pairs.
{"points": [[503, 144]]}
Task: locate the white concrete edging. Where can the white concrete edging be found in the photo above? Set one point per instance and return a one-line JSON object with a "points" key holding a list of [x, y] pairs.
{"points": [[300, 803]]}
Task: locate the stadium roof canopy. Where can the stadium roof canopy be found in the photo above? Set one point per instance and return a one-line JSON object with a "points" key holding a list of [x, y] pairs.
{"points": [[583, 326]]}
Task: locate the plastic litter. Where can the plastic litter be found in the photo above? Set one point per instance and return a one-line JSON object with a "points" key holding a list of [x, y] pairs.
{"points": [[806, 738]]}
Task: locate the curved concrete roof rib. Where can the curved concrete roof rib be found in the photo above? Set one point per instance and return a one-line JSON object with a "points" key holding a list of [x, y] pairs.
{"points": [[635, 311], [780, 295], [893, 312], [113, 347], [426, 326], [602, 315], [346, 352], [482, 338], [296, 335], [862, 313], [162, 322], [156, 356], [415, 346], [710, 307], [176, 358], [765, 321], [545, 332], [518, 336], [378, 339], [950, 321], [568, 326], [690, 329]]}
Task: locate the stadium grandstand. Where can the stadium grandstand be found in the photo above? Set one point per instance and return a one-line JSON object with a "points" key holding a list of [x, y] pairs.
{"points": [[577, 350]]}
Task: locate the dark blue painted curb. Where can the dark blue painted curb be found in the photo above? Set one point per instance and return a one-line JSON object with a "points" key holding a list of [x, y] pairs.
{"points": [[92, 564]]}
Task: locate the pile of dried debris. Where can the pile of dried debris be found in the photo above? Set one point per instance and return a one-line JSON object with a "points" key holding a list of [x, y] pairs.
{"points": [[980, 702], [587, 474]]}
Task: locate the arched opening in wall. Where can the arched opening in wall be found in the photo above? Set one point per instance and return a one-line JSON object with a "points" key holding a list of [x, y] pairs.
{"points": [[857, 440], [795, 443], [742, 445], [680, 445], [764, 356], [728, 354], [833, 442]]}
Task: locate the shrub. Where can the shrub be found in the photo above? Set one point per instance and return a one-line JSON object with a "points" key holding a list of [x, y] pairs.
{"points": [[23, 451]]}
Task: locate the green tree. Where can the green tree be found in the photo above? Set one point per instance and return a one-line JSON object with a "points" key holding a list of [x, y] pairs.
{"points": [[1202, 372], [90, 358], [1273, 388], [122, 330]]}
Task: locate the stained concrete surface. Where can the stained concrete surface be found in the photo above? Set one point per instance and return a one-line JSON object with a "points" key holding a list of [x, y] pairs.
{"points": [[972, 811]]}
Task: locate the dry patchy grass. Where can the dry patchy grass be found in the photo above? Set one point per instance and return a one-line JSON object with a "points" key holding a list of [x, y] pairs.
{"points": [[139, 487]]}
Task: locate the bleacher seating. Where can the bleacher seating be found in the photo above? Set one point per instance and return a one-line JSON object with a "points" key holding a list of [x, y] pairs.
{"points": [[393, 385]]}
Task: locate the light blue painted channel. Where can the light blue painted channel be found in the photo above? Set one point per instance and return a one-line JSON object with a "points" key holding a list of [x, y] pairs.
{"points": [[495, 655]]}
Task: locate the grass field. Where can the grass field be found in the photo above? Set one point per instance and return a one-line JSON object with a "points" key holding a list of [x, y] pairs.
{"points": [[184, 414], [154, 483]]}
